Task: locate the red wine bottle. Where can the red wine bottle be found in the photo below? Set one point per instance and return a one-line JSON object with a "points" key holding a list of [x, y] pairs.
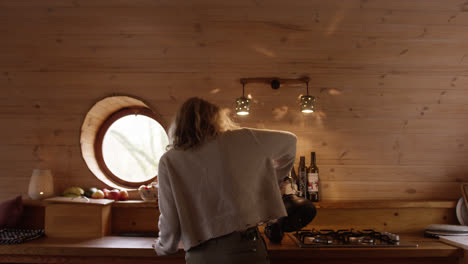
{"points": [[313, 180]]}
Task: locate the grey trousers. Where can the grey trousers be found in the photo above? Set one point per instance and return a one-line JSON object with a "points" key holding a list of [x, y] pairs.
{"points": [[246, 247]]}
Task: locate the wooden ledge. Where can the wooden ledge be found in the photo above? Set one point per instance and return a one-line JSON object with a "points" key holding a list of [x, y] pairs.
{"points": [[113, 246], [118, 204], [135, 204], [324, 204], [385, 204], [38, 203]]}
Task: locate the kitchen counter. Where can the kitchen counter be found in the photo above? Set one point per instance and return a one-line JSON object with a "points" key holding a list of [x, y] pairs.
{"points": [[113, 249], [348, 204]]}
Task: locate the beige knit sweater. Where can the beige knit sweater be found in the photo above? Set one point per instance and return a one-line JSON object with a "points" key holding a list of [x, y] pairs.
{"points": [[228, 184]]}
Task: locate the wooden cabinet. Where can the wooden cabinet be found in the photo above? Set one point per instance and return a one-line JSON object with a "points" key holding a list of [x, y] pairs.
{"points": [[115, 250], [77, 220], [137, 216]]}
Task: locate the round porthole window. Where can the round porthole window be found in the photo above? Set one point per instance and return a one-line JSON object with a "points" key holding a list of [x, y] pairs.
{"points": [[122, 144], [129, 145]]}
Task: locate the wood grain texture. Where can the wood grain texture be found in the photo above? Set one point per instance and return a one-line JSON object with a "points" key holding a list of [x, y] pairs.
{"points": [[123, 250], [393, 216], [287, 258], [385, 204], [131, 219], [399, 220], [89, 136], [389, 77], [77, 220]]}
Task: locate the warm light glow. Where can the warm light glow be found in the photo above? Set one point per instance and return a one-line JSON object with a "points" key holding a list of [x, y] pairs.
{"points": [[264, 51], [307, 104], [215, 91], [242, 105], [335, 22], [41, 184], [280, 112], [334, 92]]}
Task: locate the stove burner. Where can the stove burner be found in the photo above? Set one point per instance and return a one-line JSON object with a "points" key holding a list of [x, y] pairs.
{"points": [[355, 240], [347, 238], [320, 239]]}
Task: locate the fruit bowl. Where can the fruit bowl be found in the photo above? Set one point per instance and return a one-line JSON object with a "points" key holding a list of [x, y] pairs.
{"points": [[149, 193]]}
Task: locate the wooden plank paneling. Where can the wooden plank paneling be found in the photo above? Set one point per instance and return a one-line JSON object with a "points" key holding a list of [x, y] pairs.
{"points": [[350, 190], [389, 76], [404, 220]]}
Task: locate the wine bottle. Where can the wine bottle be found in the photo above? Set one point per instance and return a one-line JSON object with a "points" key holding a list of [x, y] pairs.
{"points": [[313, 181], [302, 179]]}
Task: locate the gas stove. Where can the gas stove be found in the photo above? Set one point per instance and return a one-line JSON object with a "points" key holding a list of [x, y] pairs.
{"points": [[349, 238]]}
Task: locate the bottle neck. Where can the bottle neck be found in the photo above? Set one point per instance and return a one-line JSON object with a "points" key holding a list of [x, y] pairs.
{"points": [[312, 158]]}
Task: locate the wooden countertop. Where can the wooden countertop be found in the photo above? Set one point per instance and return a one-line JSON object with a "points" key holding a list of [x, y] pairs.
{"points": [[427, 247], [114, 246], [348, 204], [385, 204]]}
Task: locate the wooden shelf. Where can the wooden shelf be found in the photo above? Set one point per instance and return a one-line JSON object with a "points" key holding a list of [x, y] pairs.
{"points": [[135, 204], [113, 246], [28, 202], [385, 204], [119, 204], [324, 204]]}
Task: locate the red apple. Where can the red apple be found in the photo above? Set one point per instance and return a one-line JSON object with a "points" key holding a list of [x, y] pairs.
{"points": [[114, 195], [123, 195], [98, 195], [106, 193]]}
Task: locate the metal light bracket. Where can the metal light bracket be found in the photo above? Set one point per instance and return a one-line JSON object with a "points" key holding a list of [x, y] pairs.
{"points": [[274, 82]]}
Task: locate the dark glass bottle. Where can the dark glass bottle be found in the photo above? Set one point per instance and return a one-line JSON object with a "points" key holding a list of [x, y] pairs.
{"points": [[313, 180], [293, 174], [302, 178], [294, 180]]}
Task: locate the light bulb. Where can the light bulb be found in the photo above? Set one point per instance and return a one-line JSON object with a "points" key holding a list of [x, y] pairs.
{"points": [[307, 104], [242, 105]]}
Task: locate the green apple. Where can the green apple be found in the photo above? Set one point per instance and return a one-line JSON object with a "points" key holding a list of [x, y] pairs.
{"points": [[89, 193]]}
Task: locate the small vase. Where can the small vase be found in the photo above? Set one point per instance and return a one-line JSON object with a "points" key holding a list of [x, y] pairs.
{"points": [[41, 185]]}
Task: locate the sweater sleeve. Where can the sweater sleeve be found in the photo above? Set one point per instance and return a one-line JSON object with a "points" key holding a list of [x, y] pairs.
{"points": [[169, 227], [280, 146]]}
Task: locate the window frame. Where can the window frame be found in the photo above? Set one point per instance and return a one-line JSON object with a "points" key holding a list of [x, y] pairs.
{"points": [[134, 110]]}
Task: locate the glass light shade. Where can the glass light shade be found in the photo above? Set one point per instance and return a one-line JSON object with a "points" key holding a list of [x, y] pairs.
{"points": [[243, 105], [41, 184], [307, 104]]}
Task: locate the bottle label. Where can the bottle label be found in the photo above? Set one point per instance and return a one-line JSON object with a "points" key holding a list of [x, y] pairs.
{"points": [[313, 180]]}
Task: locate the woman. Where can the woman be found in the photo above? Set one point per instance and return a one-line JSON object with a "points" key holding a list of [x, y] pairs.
{"points": [[217, 183]]}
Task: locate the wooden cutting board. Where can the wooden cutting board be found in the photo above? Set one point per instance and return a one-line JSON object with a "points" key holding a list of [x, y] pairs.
{"points": [[81, 200], [458, 241]]}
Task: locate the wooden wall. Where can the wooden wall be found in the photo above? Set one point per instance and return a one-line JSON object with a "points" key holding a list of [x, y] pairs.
{"points": [[391, 81]]}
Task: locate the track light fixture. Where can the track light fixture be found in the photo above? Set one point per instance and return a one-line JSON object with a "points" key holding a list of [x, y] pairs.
{"points": [[307, 103], [243, 103]]}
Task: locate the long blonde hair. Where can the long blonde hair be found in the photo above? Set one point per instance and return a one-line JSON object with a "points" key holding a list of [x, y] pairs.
{"points": [[196, 121]]}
